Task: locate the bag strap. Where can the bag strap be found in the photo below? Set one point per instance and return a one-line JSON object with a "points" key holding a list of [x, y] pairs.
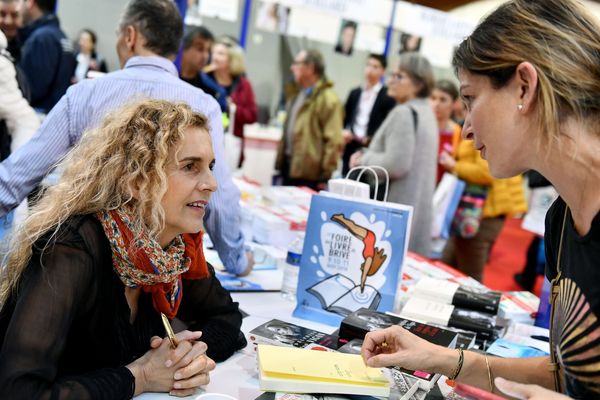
{"points": [[415, 117], [372, 168], [554, 365]]}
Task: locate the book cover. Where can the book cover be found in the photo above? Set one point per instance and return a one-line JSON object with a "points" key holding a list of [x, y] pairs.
{"points": [[287, 369], [509, 349], [281, 333], [352, 257], [361, 322]]}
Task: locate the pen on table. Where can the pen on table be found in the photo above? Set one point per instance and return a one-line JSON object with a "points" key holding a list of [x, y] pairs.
{"points": [[170, 333]]}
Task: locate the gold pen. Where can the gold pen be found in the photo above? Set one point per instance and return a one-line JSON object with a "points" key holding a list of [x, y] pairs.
{"points": [[170, 333]]}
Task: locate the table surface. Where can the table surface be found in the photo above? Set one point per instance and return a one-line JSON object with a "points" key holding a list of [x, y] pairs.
{"points": [[238, 376]]}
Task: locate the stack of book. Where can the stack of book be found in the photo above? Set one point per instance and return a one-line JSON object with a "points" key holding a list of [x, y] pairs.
{"points": [[284, 334], [461, 296], [449, 304]]}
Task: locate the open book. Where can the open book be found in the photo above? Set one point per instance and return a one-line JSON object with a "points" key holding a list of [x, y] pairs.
{"points": [[289, 369], [339, 294]]}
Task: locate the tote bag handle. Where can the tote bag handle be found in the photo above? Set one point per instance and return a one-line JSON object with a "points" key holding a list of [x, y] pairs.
{"points": [[372, 169]]}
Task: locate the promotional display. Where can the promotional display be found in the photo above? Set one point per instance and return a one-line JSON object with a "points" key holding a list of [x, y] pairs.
{"points": [[352, 257]]}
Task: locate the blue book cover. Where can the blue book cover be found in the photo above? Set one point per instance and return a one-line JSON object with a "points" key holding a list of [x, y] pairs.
{"points": [[352, 257]]}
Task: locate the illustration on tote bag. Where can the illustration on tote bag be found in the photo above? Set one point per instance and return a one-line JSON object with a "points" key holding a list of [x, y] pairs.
{"points": [[352, 257]]}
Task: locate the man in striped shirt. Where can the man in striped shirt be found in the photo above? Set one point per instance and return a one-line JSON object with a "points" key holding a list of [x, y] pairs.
{"points": [[149, 36]]}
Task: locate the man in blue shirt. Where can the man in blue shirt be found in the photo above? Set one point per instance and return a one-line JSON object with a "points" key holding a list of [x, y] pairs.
{"points": [[149, 37], [47, 56]]}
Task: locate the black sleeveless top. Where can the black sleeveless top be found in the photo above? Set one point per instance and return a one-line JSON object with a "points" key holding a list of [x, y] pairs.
{"points": [[576, 327]]}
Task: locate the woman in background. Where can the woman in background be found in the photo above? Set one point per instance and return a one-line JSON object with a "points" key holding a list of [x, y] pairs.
{"points": [[406, 146], [88, 58], [443, 97], [505, 197], [530, 77], [228, 69], [109, 248]]}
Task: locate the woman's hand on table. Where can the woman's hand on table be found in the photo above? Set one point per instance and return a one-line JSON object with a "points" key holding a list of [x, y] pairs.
{"points": [[395, 346], [179, 371]]}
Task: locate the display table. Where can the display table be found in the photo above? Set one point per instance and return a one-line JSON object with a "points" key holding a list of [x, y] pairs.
{"points": [[238, 376]]}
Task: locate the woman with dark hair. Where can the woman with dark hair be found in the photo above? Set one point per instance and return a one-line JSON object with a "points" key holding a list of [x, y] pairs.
{"points": [[88, 58], [530, 78], [443, 96], [406, 145]]}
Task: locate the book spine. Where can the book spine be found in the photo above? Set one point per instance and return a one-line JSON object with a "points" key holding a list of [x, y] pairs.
{"points": [[486, 302], [473, 321]]}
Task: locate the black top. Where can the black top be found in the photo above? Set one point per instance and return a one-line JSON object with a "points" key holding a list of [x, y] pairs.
{"points": [[66, 333], [198, 82], [576, 327], [381, 108]]}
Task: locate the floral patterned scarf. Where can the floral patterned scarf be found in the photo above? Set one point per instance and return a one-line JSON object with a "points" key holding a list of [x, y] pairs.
{"points": [[140, 261]]}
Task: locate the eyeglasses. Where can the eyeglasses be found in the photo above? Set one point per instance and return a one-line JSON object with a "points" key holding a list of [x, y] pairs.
{"points": [[397, 75]]}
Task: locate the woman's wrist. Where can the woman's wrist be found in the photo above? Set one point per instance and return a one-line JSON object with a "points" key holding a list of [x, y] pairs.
{"points": [[444, 360], [139, 377]]}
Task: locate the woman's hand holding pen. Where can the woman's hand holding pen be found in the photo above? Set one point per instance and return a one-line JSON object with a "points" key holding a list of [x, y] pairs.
{"points": [[193, 365], [179, 371], [397, 346]]}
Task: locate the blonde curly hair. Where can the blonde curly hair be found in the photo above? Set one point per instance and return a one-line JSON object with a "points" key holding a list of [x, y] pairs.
{"points": [[128, 152]]}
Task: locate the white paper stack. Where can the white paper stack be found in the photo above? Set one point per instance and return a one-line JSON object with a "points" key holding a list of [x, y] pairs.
{"points": [[268, 228], [280, 195]]}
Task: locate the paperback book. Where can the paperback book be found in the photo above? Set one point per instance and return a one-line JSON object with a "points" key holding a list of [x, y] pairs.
{"points": [[468, 298], [294, 370], [281, 333], [483, 324]]}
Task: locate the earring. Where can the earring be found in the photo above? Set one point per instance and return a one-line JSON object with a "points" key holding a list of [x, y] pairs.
{"points": [[520, 107]]}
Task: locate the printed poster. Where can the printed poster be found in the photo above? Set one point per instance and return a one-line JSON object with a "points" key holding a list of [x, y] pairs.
{"points": [[352, 257]]}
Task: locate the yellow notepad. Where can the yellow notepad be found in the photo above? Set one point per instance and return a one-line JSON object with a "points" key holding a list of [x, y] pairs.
{"points": [[289, 369]]}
